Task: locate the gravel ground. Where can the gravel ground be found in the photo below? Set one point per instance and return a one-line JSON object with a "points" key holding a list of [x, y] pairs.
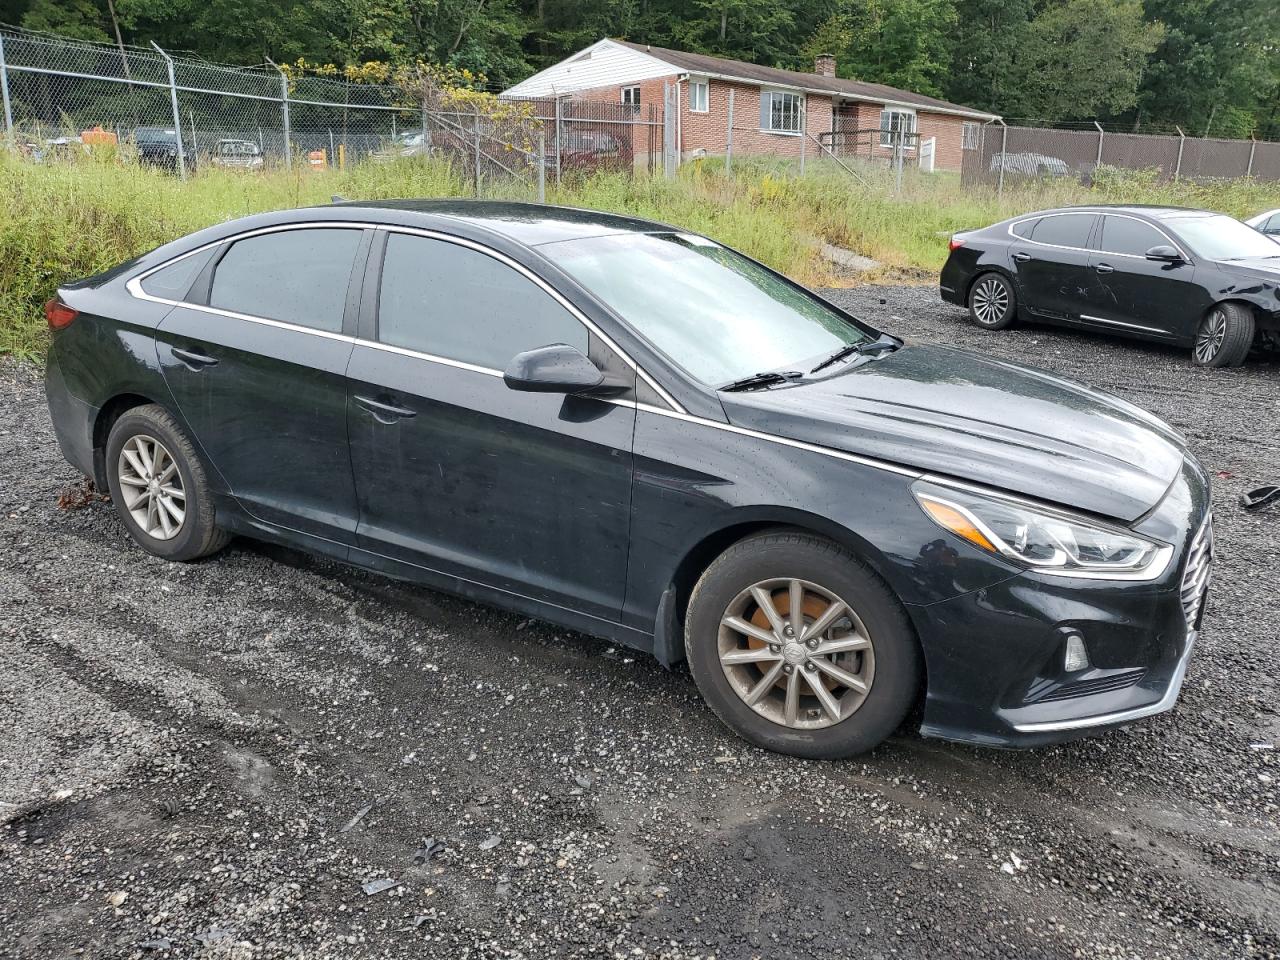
{"points": [[214, 759]]}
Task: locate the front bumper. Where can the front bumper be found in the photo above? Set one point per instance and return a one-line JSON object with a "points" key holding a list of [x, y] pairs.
{"points": [[996, 657]]}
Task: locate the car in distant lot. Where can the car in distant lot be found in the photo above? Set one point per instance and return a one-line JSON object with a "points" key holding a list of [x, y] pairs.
{"points": [[237, 155], [407, 144], [633, 431], [1186, 277], [1030, 165], [158, 147], [1267, 222]]}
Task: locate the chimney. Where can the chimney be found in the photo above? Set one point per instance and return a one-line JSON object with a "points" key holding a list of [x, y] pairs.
{"points": [[824, 65]]}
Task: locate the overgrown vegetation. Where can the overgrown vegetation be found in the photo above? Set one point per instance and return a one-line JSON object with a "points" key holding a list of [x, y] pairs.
{"points": [[59, 222]]}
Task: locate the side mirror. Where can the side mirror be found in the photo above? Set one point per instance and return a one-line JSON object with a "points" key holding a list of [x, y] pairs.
{"points": [[1165, 253], [558, 368]]}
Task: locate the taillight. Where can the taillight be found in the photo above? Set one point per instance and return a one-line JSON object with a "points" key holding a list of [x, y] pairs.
{"points": [[955, 243], [59, 314]]}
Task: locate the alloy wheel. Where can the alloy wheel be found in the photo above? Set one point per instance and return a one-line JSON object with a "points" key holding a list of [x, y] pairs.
{"points": [[796, 653], [152, 487], [1212, 332], [990, 301]]}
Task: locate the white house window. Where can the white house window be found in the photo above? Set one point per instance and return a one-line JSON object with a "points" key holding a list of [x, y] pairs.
{"points": [[781, 112], [897, 125], [697, 96], [631, 97], [970, 135]]}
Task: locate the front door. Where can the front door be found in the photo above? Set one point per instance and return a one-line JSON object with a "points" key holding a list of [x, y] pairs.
{"points": [[257, 366], [1141, 297], [1052, 266], [529, 493]]}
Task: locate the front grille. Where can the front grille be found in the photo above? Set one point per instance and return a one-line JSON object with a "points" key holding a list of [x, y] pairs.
{"points": [[1083, 688], [1195, 580]]}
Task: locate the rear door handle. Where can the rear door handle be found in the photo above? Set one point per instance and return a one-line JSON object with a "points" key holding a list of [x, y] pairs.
{"points": [[1105, 268], [1022, 257], [385, 412], [194, 359]]}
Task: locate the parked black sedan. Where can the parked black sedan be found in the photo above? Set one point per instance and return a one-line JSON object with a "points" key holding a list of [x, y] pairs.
{"points": [[633, 431], [1186, 277]]}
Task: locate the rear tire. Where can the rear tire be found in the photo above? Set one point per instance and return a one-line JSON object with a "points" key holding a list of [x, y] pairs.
{"points": [[992, 303], [1224, 336], [868, 641], [159, 487]]}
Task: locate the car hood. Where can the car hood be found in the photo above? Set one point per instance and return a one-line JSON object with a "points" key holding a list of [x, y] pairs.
{"points": [[951, 412]]}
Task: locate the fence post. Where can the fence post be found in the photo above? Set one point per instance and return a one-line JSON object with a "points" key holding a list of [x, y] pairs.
{"points": [[1253, 147], [1182, 142], [4, 89], [333, 150], [1098, 162], [1004, 154], [542, 164], [284, 114], [477, 159], [728, 137], [557, 139], [804, 133], [426, 131], [177, 116]]}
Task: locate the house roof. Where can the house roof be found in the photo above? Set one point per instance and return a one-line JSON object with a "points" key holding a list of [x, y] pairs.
{"points": [[701, 63]]}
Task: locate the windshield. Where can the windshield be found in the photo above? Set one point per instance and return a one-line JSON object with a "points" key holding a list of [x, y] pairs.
{"points": [[710, 310], [1222, 238]]}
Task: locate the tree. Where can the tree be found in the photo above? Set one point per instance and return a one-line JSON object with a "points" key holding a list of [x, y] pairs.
{"points": [[903, 43], [987, 32]]}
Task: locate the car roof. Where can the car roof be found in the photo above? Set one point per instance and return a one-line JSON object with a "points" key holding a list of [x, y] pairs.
{"points": [[1153, 211], [527, 223]]}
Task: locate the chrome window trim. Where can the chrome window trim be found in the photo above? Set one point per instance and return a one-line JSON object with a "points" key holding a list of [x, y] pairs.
{"points": [[1118, 323], [134, 286], [1094, 213]]}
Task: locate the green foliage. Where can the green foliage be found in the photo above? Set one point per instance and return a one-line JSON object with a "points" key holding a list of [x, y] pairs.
{"points": [[60, 222]]}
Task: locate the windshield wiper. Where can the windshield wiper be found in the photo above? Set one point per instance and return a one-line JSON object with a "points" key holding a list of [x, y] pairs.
{"points": [[767, 379], [850, 349]]}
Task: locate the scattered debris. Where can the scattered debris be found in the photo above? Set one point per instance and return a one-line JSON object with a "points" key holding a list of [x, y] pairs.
{"points": [[79, 495], [1258, 747], [848, 259], [360, 815], [582, 780], [164, 943], [490, 843], [168, 807], [215, 935], [374, 887], [117, 897], [431, 847]]}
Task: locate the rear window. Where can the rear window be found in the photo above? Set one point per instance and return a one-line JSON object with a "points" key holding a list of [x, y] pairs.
{"points": [[1065, 230]]}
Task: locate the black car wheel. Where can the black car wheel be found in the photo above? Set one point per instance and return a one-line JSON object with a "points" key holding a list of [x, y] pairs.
{"points": [[1224, 337], [800, 648], [159, 488], [992, 302]]}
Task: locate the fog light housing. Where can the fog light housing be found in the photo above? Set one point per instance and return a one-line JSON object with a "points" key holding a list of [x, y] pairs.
{"points": [[1076, 657]]}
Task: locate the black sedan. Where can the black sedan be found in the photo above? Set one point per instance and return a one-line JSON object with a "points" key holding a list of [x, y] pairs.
{"points": [[1185, 277], [635, 432]]}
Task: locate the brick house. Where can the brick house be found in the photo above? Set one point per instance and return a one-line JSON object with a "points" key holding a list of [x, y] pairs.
{"points": [[779, 112]]}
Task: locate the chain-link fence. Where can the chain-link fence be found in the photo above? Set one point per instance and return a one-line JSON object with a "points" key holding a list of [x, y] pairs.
{"points": [[1006, 154]]}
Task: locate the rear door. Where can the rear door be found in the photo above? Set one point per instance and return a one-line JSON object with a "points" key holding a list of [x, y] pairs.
{"points": [[529, 493], [257, 365], [1141, 297], [1052, 265]]}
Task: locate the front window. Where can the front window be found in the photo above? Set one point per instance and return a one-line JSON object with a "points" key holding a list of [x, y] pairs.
{"points": [[718, 315], [631, 97], [1222, 238], [698, 96], [970, 135], [780, 112], [897, 127]]}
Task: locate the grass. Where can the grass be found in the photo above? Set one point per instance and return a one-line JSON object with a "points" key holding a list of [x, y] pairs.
{"points": [[68, 220]]}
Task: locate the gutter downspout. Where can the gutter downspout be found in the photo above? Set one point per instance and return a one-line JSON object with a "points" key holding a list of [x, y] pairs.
{"points": [[680, 118]]}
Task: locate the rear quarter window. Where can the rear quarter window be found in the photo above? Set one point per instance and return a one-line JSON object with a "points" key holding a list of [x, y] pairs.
{"points": [[1023, 228], [174, 281]]}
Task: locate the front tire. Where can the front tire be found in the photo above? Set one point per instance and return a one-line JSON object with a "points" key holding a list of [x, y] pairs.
{"points": [[992, 303], [159, 487], [1224, 336], [834, 679]]}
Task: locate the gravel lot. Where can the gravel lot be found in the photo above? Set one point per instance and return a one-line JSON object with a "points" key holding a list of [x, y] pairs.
{"points": [[213, 759]]}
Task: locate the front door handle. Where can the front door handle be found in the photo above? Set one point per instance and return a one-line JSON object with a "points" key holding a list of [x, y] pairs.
{"points": [[1022, 257], [194, 359], [1105, 268], [385, 412]]}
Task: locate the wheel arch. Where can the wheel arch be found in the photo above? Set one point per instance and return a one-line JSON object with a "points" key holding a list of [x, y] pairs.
{"points": [[674, 605], [108, 414], [980, 270], [1263, 318]]}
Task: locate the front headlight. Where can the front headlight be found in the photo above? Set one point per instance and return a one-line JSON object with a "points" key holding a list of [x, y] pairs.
{"points": [[1043, 538]]}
